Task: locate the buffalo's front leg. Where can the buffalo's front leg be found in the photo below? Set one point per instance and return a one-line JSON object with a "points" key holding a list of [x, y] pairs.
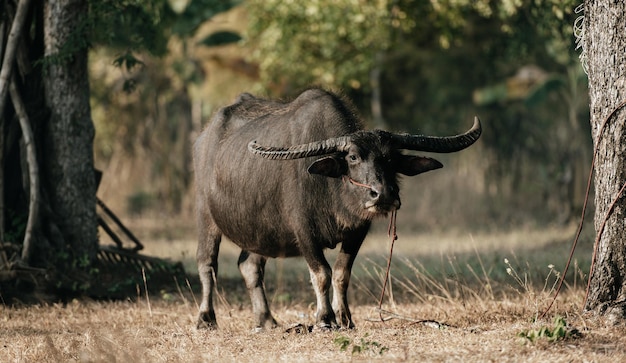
{"points": [[341, 280], [252, 268], [321, 280]]}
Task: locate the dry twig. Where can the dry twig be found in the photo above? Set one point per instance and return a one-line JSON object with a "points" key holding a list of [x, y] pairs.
{"points": [[391, 315]]}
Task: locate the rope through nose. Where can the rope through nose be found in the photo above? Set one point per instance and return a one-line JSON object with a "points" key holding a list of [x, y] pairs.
{"points": [[345, 177], [393, 236]]}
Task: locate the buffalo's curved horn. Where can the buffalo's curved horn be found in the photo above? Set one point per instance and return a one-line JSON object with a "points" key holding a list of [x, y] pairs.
{"points": [[316, 148], [448, 144]]}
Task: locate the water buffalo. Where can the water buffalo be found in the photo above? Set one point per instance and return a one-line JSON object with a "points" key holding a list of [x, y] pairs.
{"points": [[284, 179]]}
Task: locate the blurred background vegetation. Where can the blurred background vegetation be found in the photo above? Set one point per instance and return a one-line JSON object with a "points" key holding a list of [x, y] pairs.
{"points": [[421, 66]]}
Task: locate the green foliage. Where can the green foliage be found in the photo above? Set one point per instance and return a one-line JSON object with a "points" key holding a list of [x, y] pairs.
{"points": [[220, 38], [155, 51], [559, 330], [73, 272], [77, 41], [148, 25], [324, 42], [15, 226], [130, 24], [127, 61], [549, 17], [198, 12], [283, 298], [534, 144], [362, 346]]}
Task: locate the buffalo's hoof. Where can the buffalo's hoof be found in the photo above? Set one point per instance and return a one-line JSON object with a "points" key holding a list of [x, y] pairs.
{"points": [[264, 322], [347, 327], [299, 329], [206, 325], [207, 321], [326, 327]]}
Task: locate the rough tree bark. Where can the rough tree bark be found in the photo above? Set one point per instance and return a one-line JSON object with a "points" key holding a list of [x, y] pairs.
{"points": [[605, 45], [68, 145]]}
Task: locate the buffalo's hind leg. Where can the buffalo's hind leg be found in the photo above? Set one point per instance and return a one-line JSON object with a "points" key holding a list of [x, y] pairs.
{"points": [[209, 238], [252, 268]]}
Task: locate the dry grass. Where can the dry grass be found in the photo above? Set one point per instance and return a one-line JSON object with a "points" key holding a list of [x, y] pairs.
{"points": [[457, 280], [89, 331]]}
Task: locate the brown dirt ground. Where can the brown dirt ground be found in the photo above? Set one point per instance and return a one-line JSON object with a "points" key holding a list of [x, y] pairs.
{"points": [[482, 330]]}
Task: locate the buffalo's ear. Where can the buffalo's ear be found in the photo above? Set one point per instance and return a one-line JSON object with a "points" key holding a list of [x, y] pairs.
{"points": [[327, 166], [412, 165]]}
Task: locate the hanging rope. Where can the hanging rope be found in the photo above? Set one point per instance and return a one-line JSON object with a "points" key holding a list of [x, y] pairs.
{"points": [[393, 236], [597, 241]]}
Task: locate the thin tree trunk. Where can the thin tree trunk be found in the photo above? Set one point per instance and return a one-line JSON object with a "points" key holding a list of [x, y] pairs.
{"points": [[9, 54], [33, 172], [2, 123], [604, 44]]}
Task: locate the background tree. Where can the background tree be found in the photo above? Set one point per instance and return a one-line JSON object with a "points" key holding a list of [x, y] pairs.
{"points": [[441, 62], [48, 72], [334, 44], [604, 40], [512, 63], [147, 108], [56, 104]]}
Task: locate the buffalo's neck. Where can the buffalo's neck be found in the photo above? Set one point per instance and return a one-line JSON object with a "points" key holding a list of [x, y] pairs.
{"points": [[346, 218]]}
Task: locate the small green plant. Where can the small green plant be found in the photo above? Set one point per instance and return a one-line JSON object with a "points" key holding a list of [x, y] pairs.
{"points": [[362, 346], [343, 342], [558, 331], [283, 298], [16, 226]]}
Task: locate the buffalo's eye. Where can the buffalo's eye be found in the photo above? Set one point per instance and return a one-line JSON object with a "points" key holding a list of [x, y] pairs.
{"points": [[353, 158]]}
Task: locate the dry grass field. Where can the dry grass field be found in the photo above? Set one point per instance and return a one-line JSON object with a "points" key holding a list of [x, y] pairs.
{"points": [[454, 297]]}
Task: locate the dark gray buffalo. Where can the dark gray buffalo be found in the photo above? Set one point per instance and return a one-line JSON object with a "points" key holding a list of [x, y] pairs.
{"points": [[292, 179]]}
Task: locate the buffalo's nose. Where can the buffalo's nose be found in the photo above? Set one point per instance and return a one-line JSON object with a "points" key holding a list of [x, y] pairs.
{"points": [[374, 194]]}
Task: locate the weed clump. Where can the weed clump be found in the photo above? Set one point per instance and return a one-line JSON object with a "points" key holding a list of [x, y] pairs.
{"points": [[362, 346], [559, 330]]}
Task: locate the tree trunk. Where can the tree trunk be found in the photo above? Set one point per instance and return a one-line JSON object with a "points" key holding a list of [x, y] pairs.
{"points": [[68, 167], [604, 44]]}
